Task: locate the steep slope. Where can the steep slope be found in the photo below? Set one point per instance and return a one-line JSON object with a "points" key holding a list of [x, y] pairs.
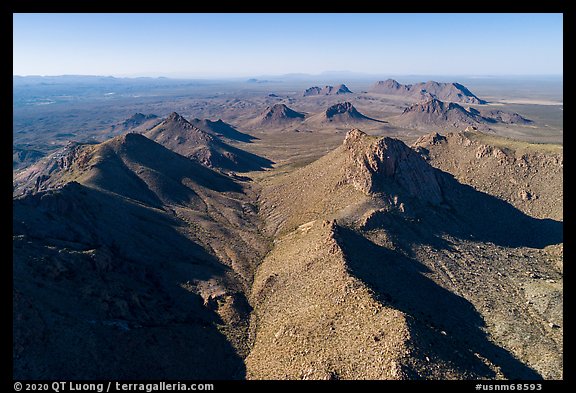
{"points": [[326, 90], [454, 92], [146, 248], [179, 135], [313, 320], [425, 245], [221, 129]]}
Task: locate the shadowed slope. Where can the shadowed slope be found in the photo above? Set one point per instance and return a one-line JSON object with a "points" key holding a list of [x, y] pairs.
{"points": [[177, 134], [426, 245], [131, 241], [343, 113], [93, 269], [130, 165], [401, 283], [221, 129]]}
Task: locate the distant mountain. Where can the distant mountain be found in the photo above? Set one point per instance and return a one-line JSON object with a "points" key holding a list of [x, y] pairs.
{"points": [[138, 119], [327, 90], [138, 122], [221, 129], [278, 115], [179, 135], [434, 113], [343, 113], [498, 116], [439, 114], [453, 92]]}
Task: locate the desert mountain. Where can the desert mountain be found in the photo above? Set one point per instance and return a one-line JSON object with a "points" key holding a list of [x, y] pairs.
{"points": [[368, 263], [434, 113], [138, 122], [139, 240], [454, 92], [396, 218], [278, 115], [137, 119], [498, 116], [221, 129], [179, 135], [343, 113], [326, 90]]}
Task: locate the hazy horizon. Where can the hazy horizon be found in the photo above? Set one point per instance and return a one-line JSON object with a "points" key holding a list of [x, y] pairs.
{"points": [[297, 74], [209, 46]]}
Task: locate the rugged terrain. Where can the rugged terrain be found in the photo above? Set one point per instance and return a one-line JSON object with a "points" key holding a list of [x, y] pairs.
{"points": [[454, 92], [435, 113], [224, 249], [145, 246], [391, 208]]}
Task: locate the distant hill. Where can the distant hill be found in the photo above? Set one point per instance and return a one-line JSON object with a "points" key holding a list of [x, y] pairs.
{"points": [[438, 114], [327, 90], [435, 113], [454, 92], [498, 116], [138, 122], [179, 135], [278, 115], [343, 113], [221, 129]]}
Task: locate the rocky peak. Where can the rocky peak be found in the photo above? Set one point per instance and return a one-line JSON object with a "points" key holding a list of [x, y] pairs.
{"points": [[436, 106], [175, 117], [389, 83], [381, 163], [281, 112], [341, 108], [342, 89], [353, 136]]}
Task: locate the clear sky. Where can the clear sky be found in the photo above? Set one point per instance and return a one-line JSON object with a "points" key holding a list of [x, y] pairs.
{"points": [[208, 45]]}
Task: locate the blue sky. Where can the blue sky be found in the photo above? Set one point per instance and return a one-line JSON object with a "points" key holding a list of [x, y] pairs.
{"points": [[227, 45]]}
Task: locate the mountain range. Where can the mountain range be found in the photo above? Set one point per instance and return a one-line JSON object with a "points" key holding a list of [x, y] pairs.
{"points": [[454, 92], [327, 90]]}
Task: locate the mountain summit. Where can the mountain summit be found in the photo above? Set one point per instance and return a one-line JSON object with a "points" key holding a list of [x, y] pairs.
{"points": [[279, 113], [327, 90], [179, 135], [454, 92], [435, 113]]}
